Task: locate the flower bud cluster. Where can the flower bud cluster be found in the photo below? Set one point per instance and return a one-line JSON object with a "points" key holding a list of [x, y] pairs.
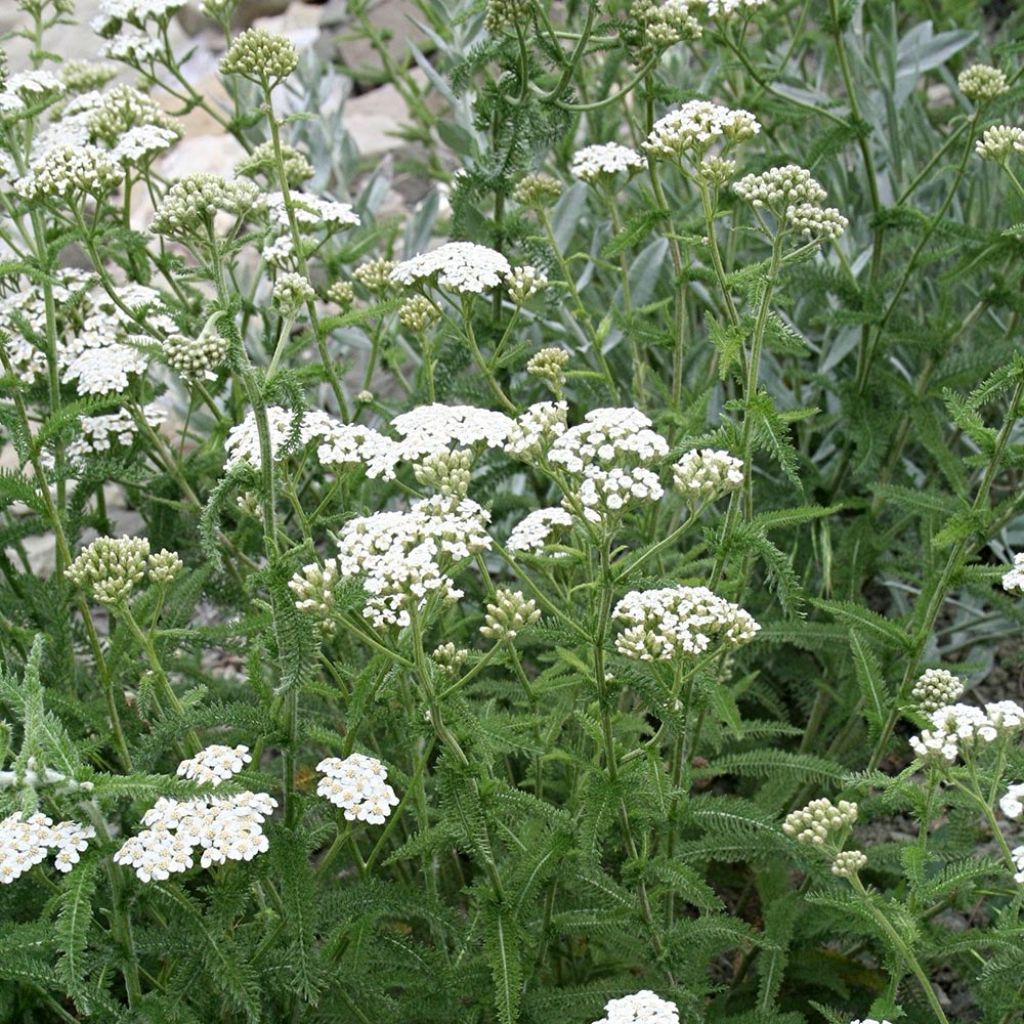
{"points": [[696, 126], [215, 764], [192, 202], [375, 275], [86, 75], [677, 621], [999, 141], [447, 471], [706, 474], [537, 190], [313, 588], [418, 314], [935, 688], [780, 187], [982, 82], [669, 21], [532, 532], [263, 160], [26, 842], [291, 292], [549, 365], [502, 14], [820, 821], [642, 1007], [524, 282], [197, 357], [341, 293], [726, 8], [602, 160], [224, 828], [817, 222], [110, 568], [260, 56], [357, 784], [848, 863], [449, 658], [510, 612], [164, 566], [962, 725], [536, 429]]}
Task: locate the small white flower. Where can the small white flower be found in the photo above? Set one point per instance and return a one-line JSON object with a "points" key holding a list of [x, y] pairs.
{"points": [[358, 785], [1013, 581], [1012, 802], [214, 764], [592, 163], [462, 267], [643, 1007]]}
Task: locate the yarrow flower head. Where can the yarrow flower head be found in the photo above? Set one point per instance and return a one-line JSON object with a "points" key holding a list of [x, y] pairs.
{"points": [[536, 429], [462, 267], [669, 21], [603, 160], [199, 357], [136, 12], [609, 453], [215, 764], [291, 292], [643, 1007], [429, 428], [28, 841], [816, 222], [260, 56], [820, 821], [727, 8], [418, 314], [224, 828], [375, 275], [999, 141], [677, 622], [404, 558], [532, 533], [110, 568], [70, 172], [982, 82], [1011, 803], [780, 187], [263, 160], [1013, 581], [447, 472], [357, 784], [964, 725], [935, 688], [449, 658], [707, 474], [696, 126], [525, 282], [502, 14]]}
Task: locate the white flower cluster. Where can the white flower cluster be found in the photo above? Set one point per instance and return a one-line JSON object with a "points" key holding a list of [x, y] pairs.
{"points": [[101, 433], [1012, 803], [136, 12], [351, 444], [131, 48], [661, 624], [592, 163], [29, 88], [359, 786], [1013, 581], [725, 8], [532, 532], [289, 432], [609, 453], [404, 557], [26, 842], [1018, 859], [999, 141], [104, 369], [68, 172], [311, 213], [535, 430], [695, 126], [706, 474], [935, 688], [670, 21], [959, 725], [215, 764], [869, 1020], [643, 1007], [816, 823], [429, 428], [224, 828], [982, 82], [463, 267]]}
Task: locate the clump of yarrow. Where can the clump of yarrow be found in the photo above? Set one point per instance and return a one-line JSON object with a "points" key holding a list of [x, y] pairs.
{"points": [[643, 1007]]}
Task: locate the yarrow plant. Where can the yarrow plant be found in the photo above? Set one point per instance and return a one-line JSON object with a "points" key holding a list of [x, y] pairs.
{"points": [[562, 569]]}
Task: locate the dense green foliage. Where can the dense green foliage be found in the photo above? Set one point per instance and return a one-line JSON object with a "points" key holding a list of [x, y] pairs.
{"points": [[575, 823]]}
